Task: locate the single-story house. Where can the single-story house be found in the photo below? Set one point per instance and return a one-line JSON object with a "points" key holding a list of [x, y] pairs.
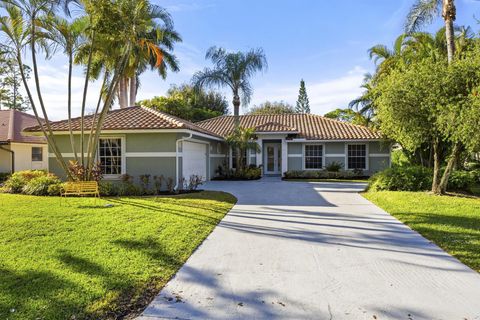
{"points": [[19, 152], [139, 140]]}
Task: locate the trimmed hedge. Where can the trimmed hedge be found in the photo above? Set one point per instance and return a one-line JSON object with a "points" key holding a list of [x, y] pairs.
{"points": [[321, 174]]}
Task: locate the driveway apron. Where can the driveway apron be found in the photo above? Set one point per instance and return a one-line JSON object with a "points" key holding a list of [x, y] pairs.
{"points": [[295, 250]]}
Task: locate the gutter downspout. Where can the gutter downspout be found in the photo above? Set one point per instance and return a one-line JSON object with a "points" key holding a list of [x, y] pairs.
{"points": [[177, 145], [13, 158]]}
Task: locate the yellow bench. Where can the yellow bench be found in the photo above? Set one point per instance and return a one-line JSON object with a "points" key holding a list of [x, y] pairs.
{"points": [[81, 188]]}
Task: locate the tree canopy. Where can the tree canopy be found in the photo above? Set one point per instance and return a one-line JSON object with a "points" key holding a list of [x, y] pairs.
{"points": [[275, 107], [189, 104]]}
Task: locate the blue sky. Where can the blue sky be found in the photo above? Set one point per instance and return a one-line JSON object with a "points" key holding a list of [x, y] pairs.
{"points": [[323, 42]]}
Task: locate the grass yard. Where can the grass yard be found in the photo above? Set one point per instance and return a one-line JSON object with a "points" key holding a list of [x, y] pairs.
{"points": [[81, 260], [453, 223]]}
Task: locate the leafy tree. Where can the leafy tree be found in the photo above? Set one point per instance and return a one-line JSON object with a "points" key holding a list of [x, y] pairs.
{"points": [[11, 84], [347, 115], [201, 99], [303, 105], [276, 107], [424, 11], [186, 103], [232, 70], [431, 102]]}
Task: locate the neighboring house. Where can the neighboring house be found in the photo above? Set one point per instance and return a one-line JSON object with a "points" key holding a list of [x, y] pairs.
{"points": [[140, 140], [19, 152]]}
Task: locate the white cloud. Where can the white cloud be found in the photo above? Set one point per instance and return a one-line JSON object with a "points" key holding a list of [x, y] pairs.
{"points": [[324, 95]]}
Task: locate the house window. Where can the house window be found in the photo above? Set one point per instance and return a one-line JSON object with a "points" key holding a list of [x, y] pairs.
{"points": [[357, 156], [110, 155], [37, 154], [234, 158], [313, 156]]}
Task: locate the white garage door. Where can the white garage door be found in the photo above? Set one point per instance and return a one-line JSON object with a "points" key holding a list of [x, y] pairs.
{"points": [[194, 160]]}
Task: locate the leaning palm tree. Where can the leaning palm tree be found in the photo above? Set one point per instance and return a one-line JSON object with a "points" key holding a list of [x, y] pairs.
{"points": [[232, 70], [424, 11], [386, 58]]}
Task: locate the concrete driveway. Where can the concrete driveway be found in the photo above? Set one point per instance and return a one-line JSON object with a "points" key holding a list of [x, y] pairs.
{"points": [[294, 250]]}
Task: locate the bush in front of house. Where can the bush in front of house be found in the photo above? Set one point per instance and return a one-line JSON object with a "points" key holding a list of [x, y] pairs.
{"points": [[463, 180], [321, 174], [334, 166], [410, 178], [252, 172], [33, 182]]}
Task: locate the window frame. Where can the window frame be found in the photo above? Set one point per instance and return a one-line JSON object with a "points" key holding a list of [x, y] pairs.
{"points": [[366, 155], [123, 157], [304, 157], [247, 158], [41, 154]]}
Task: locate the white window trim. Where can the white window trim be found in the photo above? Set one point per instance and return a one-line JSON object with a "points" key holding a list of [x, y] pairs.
{"points": [[123, 156], [366, 155], [305, 158], [230, 158]]}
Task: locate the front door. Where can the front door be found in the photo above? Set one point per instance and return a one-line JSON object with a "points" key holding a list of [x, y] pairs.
{"points": [[272, 158]]}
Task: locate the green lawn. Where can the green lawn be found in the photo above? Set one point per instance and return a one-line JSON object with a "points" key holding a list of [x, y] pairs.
{"points": [[453, 223], [83, 260], [328, 180]]}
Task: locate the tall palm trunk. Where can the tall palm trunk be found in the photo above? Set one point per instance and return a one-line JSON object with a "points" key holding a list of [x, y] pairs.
{"points": [[69, 105], [449, 15], [48, 132], [133, 91], [236, 119]]}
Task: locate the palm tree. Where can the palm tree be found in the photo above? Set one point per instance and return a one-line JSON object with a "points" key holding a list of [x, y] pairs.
{"points": [[386, 58], [241, 140], [232, 70], [424, 11], [67, 36], [154, 50], [364, 104]]}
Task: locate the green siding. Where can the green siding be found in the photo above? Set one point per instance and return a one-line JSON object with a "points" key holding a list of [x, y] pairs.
{"points": [[295, 163], [334, 148], [294, 148], [151, 142], [378, 163], [329, 160], [152, 166]]}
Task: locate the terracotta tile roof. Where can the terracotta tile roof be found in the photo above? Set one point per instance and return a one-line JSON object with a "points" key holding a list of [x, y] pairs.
{"points": [[274, 127], [12, 122], [309, 126], [132, 118]]}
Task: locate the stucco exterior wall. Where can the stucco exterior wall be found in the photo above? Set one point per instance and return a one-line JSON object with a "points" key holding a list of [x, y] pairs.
{"points": [[378, 155], [23, 157], [5, 160], [145, 153]]}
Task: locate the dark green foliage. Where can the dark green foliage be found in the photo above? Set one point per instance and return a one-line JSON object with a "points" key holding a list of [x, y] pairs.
{"points": [[186, 103], [11, 96], [4, 176], [303, 105], [275, 107], [334, 166], [461, 180], [347, 115], [411, 178], [251, 172], [320, 174]]}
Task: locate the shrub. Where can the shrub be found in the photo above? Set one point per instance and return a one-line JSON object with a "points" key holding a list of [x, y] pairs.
{"points": [[252, 173], [319, 174], [413, 178], [18, 180], [170, 184], [55, 189], [461, 180], [4, 176], [157, 183], [108, 189], [145, 183], [399, 159], [194, 182], [39, 186], [334, 166]]}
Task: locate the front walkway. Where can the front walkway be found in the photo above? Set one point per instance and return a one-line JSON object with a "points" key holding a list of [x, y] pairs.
{"points": [[294, 250]]}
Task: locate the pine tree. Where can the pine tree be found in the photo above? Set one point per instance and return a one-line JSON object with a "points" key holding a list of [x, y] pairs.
{"points": [[10, 86], [303, 105]]}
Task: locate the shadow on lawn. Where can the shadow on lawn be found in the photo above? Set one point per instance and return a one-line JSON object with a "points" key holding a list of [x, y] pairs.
{"points": [[24, 287]]}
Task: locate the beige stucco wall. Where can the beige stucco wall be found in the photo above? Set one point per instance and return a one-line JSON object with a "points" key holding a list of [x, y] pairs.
{"points": [[23, 157], [5, 159]]}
